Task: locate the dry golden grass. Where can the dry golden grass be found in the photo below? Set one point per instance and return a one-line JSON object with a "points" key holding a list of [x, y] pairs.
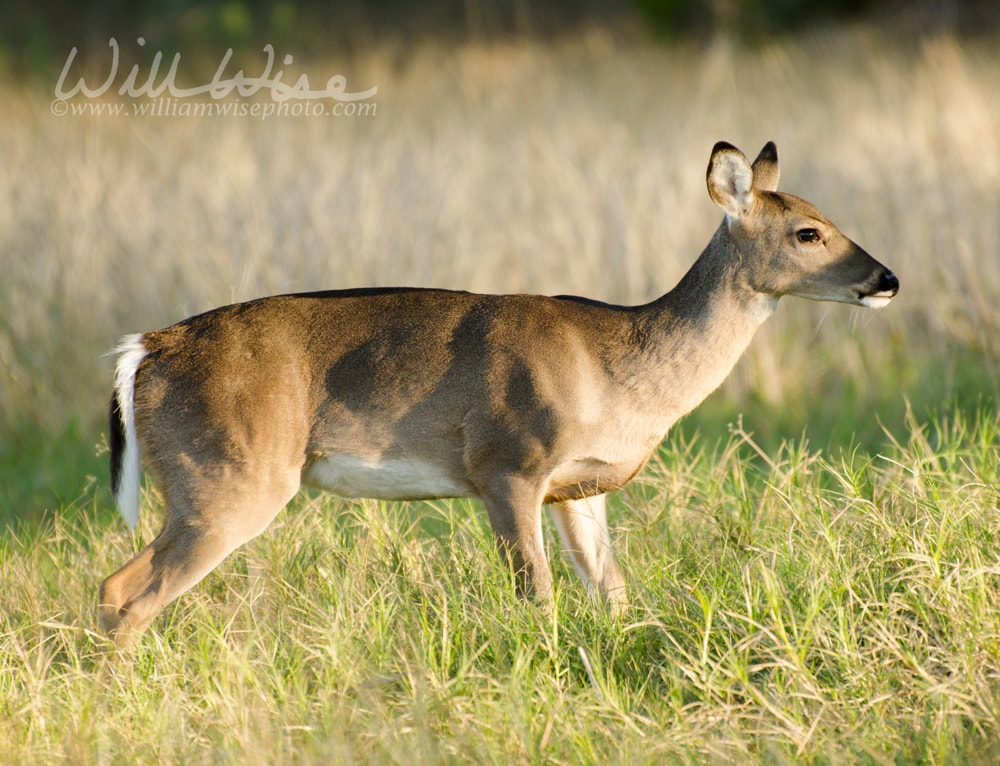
{"points": [[573, 168]]}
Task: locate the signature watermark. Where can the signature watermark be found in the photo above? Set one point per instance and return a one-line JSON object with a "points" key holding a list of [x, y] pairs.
{"points": [[239, 95]]}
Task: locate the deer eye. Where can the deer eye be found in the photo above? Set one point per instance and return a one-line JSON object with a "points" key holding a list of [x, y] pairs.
{"points": [[807, 236]]}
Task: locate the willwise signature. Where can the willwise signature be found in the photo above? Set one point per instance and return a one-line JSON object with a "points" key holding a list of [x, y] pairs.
{"points": [[218, 87]]}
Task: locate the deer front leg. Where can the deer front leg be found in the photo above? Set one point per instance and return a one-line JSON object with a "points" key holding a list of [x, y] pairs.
{"points": [[583, 527], [514, 505]]}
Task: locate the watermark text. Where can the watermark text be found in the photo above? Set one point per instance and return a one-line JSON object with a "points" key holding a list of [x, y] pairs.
{"points": [[151, 94]]}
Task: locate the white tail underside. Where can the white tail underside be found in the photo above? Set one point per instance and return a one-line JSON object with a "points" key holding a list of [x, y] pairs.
{"points": [[130, 353]]}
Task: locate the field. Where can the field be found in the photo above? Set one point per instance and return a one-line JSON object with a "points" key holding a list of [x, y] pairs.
{"points": [[812, 555]]}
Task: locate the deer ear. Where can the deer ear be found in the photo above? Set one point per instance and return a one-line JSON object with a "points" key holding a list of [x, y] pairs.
{"points": [[765, 168], [730, 180]]}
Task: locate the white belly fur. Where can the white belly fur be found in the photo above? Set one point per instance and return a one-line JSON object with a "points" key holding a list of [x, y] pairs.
{"points": [[395, 479]]}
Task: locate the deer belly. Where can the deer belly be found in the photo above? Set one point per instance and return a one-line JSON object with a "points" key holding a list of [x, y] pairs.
{"points": [[394, 478], [586, 477]]}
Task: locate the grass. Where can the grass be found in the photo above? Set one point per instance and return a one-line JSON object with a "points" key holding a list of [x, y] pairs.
{"points": [[787, 607], [811, 555]]}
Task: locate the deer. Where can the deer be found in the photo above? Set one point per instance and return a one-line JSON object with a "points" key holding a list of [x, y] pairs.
{"points": [[409, 394]]}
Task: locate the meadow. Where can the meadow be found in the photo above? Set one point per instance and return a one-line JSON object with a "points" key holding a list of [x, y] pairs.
{"points": [[812, 555]]}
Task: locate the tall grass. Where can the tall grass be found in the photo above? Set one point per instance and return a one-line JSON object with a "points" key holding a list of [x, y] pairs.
{"points": [[817, 584], [787, 607], [577, 168]]}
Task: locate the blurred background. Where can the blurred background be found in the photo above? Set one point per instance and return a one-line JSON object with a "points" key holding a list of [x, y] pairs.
{"points": [[545, 147], [36, 36]]}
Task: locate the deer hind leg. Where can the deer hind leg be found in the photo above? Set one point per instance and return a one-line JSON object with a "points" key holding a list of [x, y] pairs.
{"points": [[198, 534], [583, 527], [515, 510]]}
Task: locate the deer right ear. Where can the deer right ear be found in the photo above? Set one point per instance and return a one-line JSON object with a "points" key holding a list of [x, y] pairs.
{"points": [[765, 168], [730, 180]]}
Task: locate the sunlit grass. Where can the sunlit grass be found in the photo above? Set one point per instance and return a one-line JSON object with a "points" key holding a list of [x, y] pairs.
{"points": [[787, 608], [813, 582]]}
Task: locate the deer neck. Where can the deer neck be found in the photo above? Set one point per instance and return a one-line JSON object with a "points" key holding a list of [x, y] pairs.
{"points": [[695, 334]]}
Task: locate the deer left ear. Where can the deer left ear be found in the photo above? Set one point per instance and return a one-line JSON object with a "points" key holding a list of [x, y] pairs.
{"points": [[765, 168], [730, 180]]}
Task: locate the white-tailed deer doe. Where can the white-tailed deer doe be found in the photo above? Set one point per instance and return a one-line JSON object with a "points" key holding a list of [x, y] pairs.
{"points": [[399, 394]]}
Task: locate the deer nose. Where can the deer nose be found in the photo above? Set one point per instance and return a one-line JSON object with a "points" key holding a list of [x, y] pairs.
{"points": [[889, 283]]}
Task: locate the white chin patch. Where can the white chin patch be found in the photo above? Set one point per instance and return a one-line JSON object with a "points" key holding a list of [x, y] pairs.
{"points": [[877, 300]]}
